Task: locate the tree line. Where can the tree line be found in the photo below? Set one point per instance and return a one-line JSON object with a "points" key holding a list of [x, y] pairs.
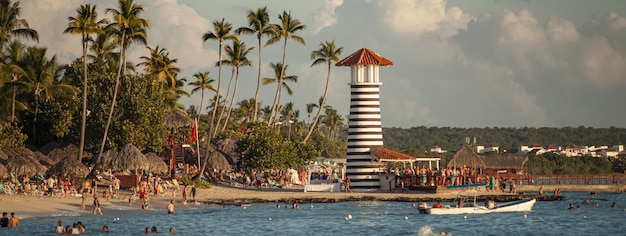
{"points": [[102, 100]]}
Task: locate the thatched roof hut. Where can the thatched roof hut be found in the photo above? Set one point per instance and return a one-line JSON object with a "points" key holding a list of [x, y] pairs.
{"points": [[130, 158], [465, 156], [25, 165], [157, 165], [175, 119], [3, 171], [491, 164], [69, 167]]}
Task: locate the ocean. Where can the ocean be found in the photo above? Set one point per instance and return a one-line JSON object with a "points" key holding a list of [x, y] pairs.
{"points": [[367, 218]]}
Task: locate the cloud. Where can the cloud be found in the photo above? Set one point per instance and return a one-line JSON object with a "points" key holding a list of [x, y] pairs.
{"points": [[324, 16], [179, 29], [424, 17], [521, 28], [562, 30], [603, 65], [49, 18], [617, 22]]}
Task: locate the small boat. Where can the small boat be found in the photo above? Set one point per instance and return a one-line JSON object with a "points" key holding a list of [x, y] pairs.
{"points": [[515, 206]]}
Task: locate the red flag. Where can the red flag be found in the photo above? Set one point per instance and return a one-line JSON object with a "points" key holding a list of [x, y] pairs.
{"points": [[194, 132]]}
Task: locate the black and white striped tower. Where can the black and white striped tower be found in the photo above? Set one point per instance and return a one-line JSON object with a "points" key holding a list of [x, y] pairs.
{"points": [[365, 128]]}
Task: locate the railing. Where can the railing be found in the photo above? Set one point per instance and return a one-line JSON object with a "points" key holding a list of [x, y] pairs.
{"points": [[572, 179], [546, 179]]}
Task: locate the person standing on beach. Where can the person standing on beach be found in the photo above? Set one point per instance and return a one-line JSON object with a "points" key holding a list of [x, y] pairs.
{"points": [[185, 194], [96, 205], [347, 184], [14, 221], [116, 186], [258, 179], [4, 222]]}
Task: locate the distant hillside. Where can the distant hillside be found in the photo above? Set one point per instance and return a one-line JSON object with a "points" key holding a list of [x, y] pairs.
{"points": [[423, 138]]}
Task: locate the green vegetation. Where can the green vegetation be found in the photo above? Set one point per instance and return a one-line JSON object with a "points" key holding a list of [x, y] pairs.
{"points": [[506, 138], [550, 163], [187, 180]]}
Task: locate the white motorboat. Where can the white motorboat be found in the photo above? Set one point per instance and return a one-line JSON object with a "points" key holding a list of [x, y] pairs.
{"points": [[515, 206]]}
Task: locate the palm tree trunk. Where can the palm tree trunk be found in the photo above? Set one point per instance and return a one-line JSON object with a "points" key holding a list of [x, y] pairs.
{"points": [[230, 107], [219, 119], [84, 113], [319, 111], [13, 101], [217, 98], [280, 82], [117, 84], [258, 84], [217, 94]]}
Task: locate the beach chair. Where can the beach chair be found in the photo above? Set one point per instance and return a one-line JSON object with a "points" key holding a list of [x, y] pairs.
{"points": [[274, 184], [7, 190]]}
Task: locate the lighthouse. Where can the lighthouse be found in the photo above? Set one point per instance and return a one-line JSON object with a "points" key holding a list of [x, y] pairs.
{"points": [[365, 128]]}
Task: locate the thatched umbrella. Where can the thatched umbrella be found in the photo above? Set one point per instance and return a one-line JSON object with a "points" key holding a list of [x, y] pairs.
{"points": [[218, 161], [130, 158], [3, 171], [25, 165], [46, 149], [69, 167], [174, 119], [58, 154], [106, 160], [44, 159], [3, 156], [157, 165]]}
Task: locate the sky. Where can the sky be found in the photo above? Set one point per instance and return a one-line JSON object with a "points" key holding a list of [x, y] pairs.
{"points": [[457, 63]]}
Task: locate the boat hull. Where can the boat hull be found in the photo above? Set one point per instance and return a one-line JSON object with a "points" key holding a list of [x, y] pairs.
{"points": [[521, 206]]}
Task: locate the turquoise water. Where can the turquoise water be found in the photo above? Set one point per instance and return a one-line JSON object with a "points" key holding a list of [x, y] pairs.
{"points": [[368, 218]]}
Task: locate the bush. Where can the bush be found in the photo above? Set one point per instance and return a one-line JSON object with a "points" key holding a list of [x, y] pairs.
{"points": [[199, 184]]}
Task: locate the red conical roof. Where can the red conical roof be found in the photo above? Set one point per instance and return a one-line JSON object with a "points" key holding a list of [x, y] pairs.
{"points": [[364, 56]]}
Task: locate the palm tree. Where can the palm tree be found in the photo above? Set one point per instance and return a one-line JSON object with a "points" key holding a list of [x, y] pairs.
{"points": [[13, 59], [236, 56], [43, 75], [10, 24], [172, 94], [85, 23], [259, 23], [102, 49], [266, 110], [159, 65], [128, 27], [246, 109], [327, 53], [286, 112], [221, 32], [285, 30], [309, 110], [279, 70], [333, 122], [203, 83]]}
